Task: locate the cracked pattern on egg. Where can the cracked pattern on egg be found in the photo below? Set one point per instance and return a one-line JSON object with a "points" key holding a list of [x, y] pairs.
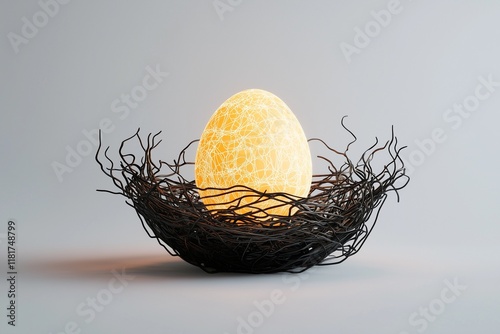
{"points": [[253, 140]]}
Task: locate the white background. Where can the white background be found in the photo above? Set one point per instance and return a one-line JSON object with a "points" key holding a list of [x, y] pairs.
{"points": [[426, 58]]}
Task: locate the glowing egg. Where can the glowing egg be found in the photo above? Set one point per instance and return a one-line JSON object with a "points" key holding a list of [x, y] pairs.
{"points": [[253, 141]]}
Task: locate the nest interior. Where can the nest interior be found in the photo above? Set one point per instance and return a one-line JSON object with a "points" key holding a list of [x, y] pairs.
{"points": [[328, 226]]}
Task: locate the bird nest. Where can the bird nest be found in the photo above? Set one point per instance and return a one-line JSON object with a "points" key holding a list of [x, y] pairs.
{"points": [[327, 227]]}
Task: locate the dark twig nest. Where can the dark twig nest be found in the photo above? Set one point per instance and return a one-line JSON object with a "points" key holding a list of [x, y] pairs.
{"points": [[329, 226]]}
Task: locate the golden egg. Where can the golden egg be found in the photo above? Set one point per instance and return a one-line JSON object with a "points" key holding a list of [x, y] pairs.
{"points": [[253, 140]]}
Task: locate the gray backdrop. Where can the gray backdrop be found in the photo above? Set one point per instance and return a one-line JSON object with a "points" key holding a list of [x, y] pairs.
{"points": [[84, 263]]}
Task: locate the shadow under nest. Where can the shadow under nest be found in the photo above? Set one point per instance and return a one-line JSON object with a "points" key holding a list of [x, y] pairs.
{"points": [[328, 226]]}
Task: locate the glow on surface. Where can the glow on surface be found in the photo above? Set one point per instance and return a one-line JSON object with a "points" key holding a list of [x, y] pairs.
{"points": [[253, 140]]}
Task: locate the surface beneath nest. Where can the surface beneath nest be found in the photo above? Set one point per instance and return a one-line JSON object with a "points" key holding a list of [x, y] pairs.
{"points": [[392, 293]]}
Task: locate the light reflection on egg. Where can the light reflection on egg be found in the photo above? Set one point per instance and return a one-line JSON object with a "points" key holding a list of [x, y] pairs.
{"points": [[253, 140]]}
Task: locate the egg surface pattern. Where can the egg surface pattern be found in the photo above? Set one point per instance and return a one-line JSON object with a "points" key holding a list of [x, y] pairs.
{"points": [[253, 140]]}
